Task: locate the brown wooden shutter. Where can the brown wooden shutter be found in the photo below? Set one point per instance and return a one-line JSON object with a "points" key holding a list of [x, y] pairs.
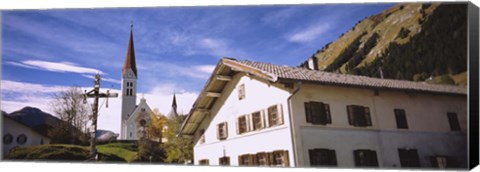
{"points": [[237, 124], [218, 131], [350, 113], [356, 156], [240, 160], [333, 158], [327, 113], [372, 156], [270, 158], [308, 111], [253, 159], [433, 161], [312, 153], [279, 114], [225, 126], [286, 161], [368, 120]]}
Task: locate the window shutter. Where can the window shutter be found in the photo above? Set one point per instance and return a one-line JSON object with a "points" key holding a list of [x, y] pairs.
{"points": [[327, 113], [225, 130], [368, 120], [350, 114], [218, 131], [333, 158], [308, 111], [372, 158], [433, 161], [240, 160], [270, 158], [311, 155], [237, 124], [248, 121], [262, 119], [279, 114], [453, 121], [286, 162], [253, 159], [356, 156]]}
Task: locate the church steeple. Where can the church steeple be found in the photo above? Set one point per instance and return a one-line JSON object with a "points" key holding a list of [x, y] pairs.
{"points": [[130, 57], [174, 103]]}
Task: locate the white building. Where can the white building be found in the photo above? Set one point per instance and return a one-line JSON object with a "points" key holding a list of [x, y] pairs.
{"points": [[15, 134], [135, 118], [252, 113]]}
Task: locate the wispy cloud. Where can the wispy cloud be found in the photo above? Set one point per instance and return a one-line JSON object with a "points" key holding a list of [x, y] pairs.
{"points": [[220, 48], [310, 33], [280, 17], [205, 68], [104, 79], [55, 66]]}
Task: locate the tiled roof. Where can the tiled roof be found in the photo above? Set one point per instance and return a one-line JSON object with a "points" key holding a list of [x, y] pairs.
{"points": [[302, 74]]}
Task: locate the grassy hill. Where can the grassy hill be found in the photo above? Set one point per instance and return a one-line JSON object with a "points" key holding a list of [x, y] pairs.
{"points": [[410, 41], [114, 152]]}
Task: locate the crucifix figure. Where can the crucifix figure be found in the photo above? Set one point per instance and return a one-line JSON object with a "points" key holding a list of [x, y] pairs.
{"points": [[95, 93]]}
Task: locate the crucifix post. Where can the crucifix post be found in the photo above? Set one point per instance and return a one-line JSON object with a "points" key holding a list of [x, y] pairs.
{"points": [[96, 94]]}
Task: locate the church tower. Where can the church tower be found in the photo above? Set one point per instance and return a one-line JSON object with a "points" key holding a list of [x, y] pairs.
{"points": [[129, 85]]}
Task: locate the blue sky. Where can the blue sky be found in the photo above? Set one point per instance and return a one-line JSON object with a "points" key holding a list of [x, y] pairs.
{"points": [[44, 51]]}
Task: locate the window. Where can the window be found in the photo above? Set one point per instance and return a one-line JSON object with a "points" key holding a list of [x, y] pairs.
{"points": [[241, 92], [257, 119], [359, 115], [262, 159], [322, 157], [246, 159], [143, 109], [365, 158], [275, 115], [401, 118], [22, 139], [222, 131], [224, 160], [453, 121], [7, 139], [203, 162], [444, 162], [317, 113], [242, 124], [202, 136], [279, 158], [409, 158]]}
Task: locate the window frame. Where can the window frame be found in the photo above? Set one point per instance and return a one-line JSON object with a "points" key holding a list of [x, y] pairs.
{"points": [[453, 121], [7, 139], [203, 162], [255, 122], [224, 127], [401, 118], [328, 154], [317, 113], [20, 141], [243, 127], [408, 157], [225, 160], [278, 113], [359, 116], [365, 158], [241, 92]]}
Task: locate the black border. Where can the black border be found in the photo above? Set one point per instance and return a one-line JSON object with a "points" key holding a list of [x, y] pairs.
{"points": [[473, 78]]}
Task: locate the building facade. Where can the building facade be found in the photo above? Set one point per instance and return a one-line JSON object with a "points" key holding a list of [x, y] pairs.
{"points": [[252, 113], [16, 134]]}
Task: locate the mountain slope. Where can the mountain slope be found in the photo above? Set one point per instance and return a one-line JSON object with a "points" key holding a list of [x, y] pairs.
{"points": [[407, 41]]}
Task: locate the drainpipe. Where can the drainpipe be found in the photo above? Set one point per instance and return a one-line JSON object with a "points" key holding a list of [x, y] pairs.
{"points": [[294, 144]]}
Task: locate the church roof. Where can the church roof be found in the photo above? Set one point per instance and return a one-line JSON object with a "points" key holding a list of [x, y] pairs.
{"points": [[130, 56]]}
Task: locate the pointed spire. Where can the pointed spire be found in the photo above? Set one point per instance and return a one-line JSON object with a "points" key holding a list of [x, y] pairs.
{"points": [[174, 103], [130, 57]]}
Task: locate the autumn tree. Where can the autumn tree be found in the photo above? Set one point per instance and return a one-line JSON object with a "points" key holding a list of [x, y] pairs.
{"points": [[149, 148], [178, 149], [69, 107]]}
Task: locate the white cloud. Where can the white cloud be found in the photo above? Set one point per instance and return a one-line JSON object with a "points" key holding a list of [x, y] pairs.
{"points": [[16, 95], [219, 48], [205, 68], [309, 34], [55, 66], [104, 79], [278, 18]]}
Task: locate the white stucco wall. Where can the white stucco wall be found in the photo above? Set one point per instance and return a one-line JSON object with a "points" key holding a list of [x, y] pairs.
{"points": [[228, 108], [428, 128], [15, 129]]}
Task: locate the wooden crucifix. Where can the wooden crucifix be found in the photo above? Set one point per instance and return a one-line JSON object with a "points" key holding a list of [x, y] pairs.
{"points": [[96, 94]]}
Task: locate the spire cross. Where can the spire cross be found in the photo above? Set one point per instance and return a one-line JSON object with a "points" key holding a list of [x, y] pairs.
{"points": [[131, 24]]}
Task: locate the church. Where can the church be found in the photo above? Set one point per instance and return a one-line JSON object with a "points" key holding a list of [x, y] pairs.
{"points": [[135, 118]]}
